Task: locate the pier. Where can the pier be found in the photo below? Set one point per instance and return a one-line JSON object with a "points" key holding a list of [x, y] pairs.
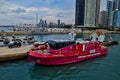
{"points": [[14, 53]]}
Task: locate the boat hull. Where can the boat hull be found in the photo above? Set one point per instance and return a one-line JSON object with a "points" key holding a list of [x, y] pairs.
{"points": [[61, 59]]}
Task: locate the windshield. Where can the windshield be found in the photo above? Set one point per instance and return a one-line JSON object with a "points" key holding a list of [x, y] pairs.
{"points": [[58, 45]]}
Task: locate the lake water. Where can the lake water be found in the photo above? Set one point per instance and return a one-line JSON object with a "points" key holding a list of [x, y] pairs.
{"points": [[102, 68], [6, 29]]}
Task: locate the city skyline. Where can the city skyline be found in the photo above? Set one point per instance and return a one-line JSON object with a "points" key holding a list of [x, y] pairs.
{"points": [[16, 12]]}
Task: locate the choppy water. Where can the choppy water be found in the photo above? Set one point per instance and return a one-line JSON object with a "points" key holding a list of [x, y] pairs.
{"points": [[102, 68]]}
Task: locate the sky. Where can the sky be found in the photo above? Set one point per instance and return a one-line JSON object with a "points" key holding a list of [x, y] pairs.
{"points": [[14, 12]]}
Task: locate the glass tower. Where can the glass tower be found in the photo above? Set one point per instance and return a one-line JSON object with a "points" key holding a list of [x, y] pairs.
{"points": [[102, 18], [116, 21], [116, 4], [116, 13], [110, 9], [80, 9]]}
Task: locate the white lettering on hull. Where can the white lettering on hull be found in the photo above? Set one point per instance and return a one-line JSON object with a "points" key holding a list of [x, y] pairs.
{"points": [[88, 55]]}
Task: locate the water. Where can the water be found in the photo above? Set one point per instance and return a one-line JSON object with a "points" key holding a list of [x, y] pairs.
{"points": [[6, 29], [102, 68]]}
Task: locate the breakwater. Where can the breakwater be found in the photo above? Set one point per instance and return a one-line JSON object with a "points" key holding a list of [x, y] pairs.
{"points": [[15, 33]]}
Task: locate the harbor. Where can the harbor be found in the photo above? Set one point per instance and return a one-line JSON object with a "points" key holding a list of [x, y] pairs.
{"points": [[12, 51], [15, 53], [59, 39], [29, 70]]}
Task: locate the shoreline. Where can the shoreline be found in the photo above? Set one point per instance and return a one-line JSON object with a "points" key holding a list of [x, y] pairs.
{"points": [[15, 33], [47, 33]]}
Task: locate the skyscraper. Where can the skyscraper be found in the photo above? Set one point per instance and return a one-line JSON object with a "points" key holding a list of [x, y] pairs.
{"points": [[41, 23], [110, 8], [92, 8], [58, 22], [116, 13], [116, 4], [116, 21], [102, 18], [87, 12], [80, 9]]}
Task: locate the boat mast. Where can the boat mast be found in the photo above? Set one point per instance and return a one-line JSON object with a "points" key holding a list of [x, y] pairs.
{"points": [[72, 34], [36, 20]]}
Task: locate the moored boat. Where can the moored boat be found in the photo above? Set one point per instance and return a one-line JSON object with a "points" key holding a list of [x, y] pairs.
{"points": [[65, 52], [110, 43], [29, 39]]}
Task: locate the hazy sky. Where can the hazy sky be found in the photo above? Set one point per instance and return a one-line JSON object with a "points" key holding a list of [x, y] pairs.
{"points": [[24, 11]]}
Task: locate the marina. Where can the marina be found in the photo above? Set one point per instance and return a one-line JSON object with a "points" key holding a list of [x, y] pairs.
{"points": [[108, 64], [59, 40], [13, 53], [18, 53]]}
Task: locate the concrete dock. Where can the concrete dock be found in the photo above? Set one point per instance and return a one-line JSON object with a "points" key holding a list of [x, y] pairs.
{"points": [[14, 53]]}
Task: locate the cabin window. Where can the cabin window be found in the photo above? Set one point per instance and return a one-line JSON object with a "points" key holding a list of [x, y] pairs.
{"points": [[58, 45]]}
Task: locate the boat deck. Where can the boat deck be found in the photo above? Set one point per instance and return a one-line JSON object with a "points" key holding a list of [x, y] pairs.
{"points": [[13, 53]]}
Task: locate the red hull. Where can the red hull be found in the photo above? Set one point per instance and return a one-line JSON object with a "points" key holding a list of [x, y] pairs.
{"points": [[69, 54], [59, 59]]}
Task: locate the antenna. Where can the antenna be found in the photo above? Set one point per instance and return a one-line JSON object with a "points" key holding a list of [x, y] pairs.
{"points": [[72, 33]]}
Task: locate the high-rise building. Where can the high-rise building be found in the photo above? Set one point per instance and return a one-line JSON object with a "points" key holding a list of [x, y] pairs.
{"points": [[92, 8], [41, 23], [80, 9], [87, 12], [110, 8], [58, 22], [116, 13], [102, 18], [116, 21], [116, 4]]}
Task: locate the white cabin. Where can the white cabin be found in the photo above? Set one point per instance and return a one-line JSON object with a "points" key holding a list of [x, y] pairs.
{"points": [[98, 35]]}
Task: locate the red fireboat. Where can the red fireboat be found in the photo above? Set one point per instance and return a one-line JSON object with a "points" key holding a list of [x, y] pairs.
{"points": [[65, 52]]}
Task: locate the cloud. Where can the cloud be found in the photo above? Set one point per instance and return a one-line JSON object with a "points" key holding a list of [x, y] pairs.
{"points": [[18, 11], [14, 12], [24, 11]]}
